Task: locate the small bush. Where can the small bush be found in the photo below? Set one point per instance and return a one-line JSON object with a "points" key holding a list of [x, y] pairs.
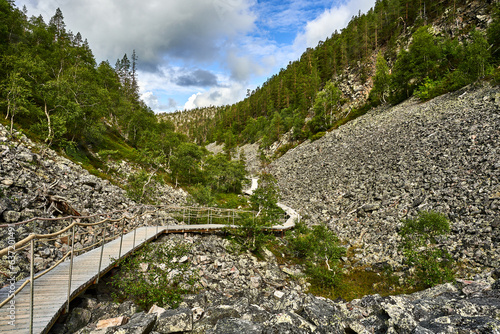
{"points": [[318, 247], [163, 282], [432, 262], [428, 89], [317, 136], [251, 233]]}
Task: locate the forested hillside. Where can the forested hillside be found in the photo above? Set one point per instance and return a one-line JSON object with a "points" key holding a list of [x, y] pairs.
{"points": [[53, 90], [399, 48]]}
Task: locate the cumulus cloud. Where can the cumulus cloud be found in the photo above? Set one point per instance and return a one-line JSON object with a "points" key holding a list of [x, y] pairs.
{"points": [[198, 78], [335, 18], [193, 30], [216, 97], [242, 67], [154, 102]]}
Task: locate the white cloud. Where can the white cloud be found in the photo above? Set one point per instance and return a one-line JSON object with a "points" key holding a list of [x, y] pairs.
{"points": [[216, 96], [243, 67], [154, 102], [191, 102], [335, 18], [193, 30]]}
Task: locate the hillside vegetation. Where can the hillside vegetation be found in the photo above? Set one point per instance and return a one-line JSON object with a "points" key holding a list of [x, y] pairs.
{"points": [[399, 48], [53, 90]]}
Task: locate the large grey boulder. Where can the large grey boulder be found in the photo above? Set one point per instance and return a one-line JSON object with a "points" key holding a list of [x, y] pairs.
{"points": [[172, 321]]}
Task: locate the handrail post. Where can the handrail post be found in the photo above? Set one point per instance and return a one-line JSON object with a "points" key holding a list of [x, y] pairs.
{"points": [[32, 279], [71, 266], [121, 239], [102, 251], [133, 244]]}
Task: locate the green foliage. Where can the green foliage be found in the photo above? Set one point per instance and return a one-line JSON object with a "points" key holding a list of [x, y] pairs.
{"points": [[231, 200], [139, 186], [420, 236], [202, 195], [163, 282], [283, 149], [317, 136], [477, 57], [319, 249], [428, 89], [252, 234], [224, 174], [326, 106], [265, 199], [493, 35], [381, 80], [436, 65], [185, 164]]}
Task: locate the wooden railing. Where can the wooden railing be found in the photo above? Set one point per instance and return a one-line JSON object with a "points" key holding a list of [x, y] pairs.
{"points": [[98, 229]]}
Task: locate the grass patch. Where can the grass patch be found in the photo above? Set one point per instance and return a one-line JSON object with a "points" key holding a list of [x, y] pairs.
{"points": [[360, 282]]}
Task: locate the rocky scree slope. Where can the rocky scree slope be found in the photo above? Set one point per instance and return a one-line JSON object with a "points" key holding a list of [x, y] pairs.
{"points": [[365, 177], [241, 294], [49, 186]]}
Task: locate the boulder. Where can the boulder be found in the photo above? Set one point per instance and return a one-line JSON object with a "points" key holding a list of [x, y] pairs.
{"points": [[171, 321]]}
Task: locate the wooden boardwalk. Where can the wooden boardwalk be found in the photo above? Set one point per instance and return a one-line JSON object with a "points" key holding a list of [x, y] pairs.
{"points": [[51, 290]]}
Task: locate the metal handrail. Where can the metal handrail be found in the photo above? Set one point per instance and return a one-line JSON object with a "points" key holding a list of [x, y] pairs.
{"points": [[192, 212]]}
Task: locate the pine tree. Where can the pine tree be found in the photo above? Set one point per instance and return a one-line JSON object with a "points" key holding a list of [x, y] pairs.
{"points": [[57, 25], [381, 80]]}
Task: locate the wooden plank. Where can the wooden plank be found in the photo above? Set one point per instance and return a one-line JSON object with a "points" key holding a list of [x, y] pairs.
{"points": [[51, 289]]}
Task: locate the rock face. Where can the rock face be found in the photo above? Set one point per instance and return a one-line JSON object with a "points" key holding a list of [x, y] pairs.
{"points": [[277, 307], [442, 155]]}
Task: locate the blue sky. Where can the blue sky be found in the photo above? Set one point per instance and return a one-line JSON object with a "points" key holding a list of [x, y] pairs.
{"points": [[196, 53]]}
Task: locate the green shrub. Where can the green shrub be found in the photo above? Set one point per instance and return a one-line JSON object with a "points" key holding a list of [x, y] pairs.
{"points": [[318, 247], [163, 282], [429, 89], [202, 195], [251, 233], [432, 262], [317, 136]]}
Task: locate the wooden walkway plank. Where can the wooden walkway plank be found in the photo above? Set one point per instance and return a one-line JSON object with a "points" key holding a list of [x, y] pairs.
{"points": [[51, 290]]}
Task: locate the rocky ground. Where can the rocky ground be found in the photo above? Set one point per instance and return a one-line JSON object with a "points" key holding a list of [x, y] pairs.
{"points": [[241, 294], [32, 185], [364, 178]]}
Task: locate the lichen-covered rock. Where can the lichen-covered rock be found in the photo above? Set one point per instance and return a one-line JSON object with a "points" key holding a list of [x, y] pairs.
{"points": [[173, 321]]}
